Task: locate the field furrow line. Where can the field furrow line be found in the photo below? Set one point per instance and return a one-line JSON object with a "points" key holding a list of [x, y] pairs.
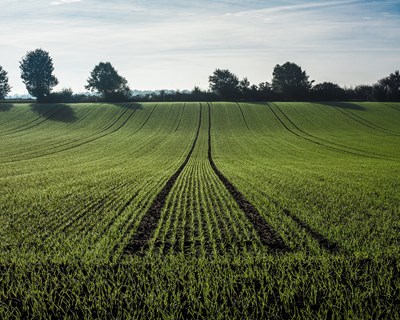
{"points": [[324, 140], [189, 218], [213, 213], [95, 138], [180, 118], [67, 220], [161, 241], [324, 242], [9, 121], [144, 123], [223, 219], [365, 122], [26, 126], [244, 119], [394, 107], [173, 227], [267, 234], [128, 221], [239, 233], [150, 220], [205, 237], [108, 126], [317, 142]]}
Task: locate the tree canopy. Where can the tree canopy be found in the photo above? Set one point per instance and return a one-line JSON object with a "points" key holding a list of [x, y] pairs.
{"points": [[327, 91], [37, 73], [106, 80], [225, 84], [4, 86], [290, 81], [391, 85]]}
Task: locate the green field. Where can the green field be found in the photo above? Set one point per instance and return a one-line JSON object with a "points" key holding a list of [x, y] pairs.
{"points": [[200, 210]]}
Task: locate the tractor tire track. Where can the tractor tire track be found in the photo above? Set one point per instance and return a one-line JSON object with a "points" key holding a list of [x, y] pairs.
{"points": [[115, 217], [84, 142], [244, 119], [149, 222], [316, 142], [395, 107], [317, 138], [268, 236], [325, 243], [144, 123], [365, 122], [108, 126], [11, 121], [180, 118], [46, 115]]}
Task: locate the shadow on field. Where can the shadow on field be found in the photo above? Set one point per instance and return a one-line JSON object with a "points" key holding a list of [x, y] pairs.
{"points": [[5, 107], [56, 112], [343, 105]]}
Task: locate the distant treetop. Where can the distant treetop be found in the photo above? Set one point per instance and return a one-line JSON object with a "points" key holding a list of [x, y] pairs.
{"points": [[106, 80], [4, 86], [37, 73]]}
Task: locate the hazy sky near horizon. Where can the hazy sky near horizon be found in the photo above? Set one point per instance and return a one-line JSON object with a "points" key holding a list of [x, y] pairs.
{"points": [[178, 44]]}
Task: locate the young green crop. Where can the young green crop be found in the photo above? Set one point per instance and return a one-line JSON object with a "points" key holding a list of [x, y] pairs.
{"points": [[77, 180]]}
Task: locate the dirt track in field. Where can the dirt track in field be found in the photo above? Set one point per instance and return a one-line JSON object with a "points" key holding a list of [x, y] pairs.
{"points": [[149, 222], [268, 236]]}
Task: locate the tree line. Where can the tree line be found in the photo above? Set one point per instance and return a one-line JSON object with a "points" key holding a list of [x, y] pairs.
{"points": [[289, 83]]}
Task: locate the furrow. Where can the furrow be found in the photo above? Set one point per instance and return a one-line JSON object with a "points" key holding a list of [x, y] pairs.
{"points": [[144, 123], [180, 118], [316, 142], [341, 146], [268, 236], [244, 119], [83, 142], [365, 122], [150, 220], [27, 126]]}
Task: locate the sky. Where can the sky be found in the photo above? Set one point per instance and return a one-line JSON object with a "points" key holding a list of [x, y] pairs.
{"points": [[177, 44]]}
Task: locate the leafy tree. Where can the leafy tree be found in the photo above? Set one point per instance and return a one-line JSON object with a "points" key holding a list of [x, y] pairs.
{"points": [[106, 80], [37, 73], [327, 91], [391, 85], [4, 86], [265, 91], [245, 89], [225, 84], [364, 92], [66, 95], [290, 81]]}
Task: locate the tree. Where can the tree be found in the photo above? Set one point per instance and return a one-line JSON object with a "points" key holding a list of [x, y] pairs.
{"points": [[327, 91], [364, 93], [391, 85], [265, 91], [290, 81], [4, 86], [37, 73], [244, 89], [66, 95], [225, 84], [106, 80]]}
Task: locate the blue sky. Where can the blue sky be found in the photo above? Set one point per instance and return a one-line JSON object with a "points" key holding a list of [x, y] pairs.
{"points": [[177, 44]]}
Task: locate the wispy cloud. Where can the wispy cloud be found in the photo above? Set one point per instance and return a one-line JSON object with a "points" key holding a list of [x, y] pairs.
{"points": [[61, 2], [176, 44], [293, 7]]}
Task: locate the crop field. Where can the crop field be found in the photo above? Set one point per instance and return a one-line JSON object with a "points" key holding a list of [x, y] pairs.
{"points": [[200, 210]]}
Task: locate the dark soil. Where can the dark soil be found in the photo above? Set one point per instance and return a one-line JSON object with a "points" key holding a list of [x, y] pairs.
{"points": [[267, 234], [149, 223]]}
